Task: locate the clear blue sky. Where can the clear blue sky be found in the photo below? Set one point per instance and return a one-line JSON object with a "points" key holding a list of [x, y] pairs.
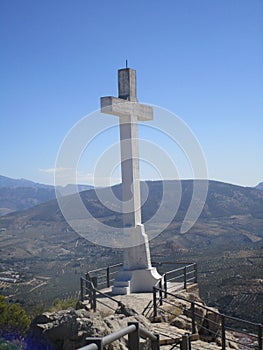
{"points": [[201, 59]]}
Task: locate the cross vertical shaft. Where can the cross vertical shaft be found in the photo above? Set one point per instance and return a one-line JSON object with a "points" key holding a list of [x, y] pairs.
{"points": [[129, 152], [130, 172]]}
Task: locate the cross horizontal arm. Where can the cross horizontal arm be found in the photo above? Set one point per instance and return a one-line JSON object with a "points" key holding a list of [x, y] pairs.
{"points": [[122, 108]]}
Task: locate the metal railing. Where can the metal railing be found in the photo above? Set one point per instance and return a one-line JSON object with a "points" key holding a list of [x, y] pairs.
{"points": [[104, 276], [95, 280], [134, 332], [185, 275], [199, 320], [90, 292]]}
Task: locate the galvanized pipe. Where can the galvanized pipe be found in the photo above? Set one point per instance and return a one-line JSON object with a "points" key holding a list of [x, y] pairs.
{"points": [[117, 335]]}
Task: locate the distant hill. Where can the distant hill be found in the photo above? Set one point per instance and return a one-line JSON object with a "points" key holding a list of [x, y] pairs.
{"points": [[14, 183], [20, 194], [71, 189], [20, 198], [259, 186]]}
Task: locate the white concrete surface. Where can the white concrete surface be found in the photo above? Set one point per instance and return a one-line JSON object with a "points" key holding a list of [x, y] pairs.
{"points": [[138, 275]]}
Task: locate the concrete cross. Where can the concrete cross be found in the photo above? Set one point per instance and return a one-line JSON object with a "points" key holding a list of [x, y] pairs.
{"points": [[127, 108], [138, 275]]}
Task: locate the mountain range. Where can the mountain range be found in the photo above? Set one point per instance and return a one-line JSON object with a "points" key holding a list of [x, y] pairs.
{"points": [[226, 242], [20, 194], [235, 208], [14, 183]]}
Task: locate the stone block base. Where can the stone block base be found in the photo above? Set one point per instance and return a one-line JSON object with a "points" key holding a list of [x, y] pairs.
{"points": [[135, 281]]}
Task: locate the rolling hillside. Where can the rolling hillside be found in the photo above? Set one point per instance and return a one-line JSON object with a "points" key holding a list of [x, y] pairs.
{"points": [[226, 241]]}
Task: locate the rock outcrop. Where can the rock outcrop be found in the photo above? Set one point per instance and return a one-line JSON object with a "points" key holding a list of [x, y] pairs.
{"points": [[68, 329], [207, 319]]}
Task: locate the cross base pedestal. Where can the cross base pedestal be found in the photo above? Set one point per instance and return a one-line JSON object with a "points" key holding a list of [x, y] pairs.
{"points": [[135, 281], [137, 275]]}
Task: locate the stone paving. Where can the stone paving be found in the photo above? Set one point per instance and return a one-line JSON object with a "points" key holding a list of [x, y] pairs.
{"points": [[201, 345]]}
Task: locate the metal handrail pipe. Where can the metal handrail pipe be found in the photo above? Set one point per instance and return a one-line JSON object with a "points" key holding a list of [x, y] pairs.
{"points": [[190, 279], [97, 270], [214, 322], [108, 296], [117, 335], [190, 272], [115, 265], [89, 347], [113, 273], [168, 302], [145, 333], [175, 270], [190, 265], [209, 330], [198, 316], [108, 339], [175, 278], [104, 268], [171, 263], [102, 303], [242, 321]]}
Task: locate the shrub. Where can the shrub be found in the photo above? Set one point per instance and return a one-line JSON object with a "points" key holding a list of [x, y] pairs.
{"points": [[59, 304], [14, 322]]}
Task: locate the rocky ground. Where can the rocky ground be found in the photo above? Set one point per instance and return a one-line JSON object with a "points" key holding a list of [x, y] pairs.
{"points": [[68, 329]]}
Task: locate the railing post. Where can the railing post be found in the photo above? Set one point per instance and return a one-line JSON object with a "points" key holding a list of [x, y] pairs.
{"points": [[134, 337], [155, 344], [94, 280], [165, 285], [186, 342], [94, 300], [92, 293], [87, 285], [81, 289], [260, 336], [195, 272], [108, 277], [154, 303], [88, 288], [223, 331], [160, 292], [193, 317], [185, 277]]}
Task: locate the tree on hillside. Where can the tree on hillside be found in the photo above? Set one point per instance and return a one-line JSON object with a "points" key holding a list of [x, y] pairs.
{"points": [[14, 321]]}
